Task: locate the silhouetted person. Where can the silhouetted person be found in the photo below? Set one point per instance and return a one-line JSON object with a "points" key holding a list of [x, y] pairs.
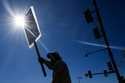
{"points": [[58, 66]]}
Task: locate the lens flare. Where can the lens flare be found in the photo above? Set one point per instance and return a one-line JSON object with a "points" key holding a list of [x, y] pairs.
{"points": [[19, 21], [16, 16]]}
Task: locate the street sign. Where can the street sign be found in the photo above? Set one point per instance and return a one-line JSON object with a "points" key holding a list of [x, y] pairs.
{"points": [[32, 30]]}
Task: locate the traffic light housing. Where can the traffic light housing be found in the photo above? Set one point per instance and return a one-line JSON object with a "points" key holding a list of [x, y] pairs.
{"points": [[105, 73], [110, 67], [89, 74], [97, 33], [88, 16]]}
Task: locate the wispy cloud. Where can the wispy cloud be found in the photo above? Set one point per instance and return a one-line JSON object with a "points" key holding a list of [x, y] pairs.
{"points": [[98, 45]]}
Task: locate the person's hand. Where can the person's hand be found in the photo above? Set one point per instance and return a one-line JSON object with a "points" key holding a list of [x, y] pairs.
{"points": [[41, 60]]}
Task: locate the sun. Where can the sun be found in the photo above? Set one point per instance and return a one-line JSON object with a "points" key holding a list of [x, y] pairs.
{"points": [[19, 21]]}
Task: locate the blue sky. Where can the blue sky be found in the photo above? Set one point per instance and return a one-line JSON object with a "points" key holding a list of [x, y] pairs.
{"points": [[63, 29]]}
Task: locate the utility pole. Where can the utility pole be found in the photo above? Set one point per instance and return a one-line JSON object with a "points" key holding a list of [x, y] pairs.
{"points": [[106, 42]]}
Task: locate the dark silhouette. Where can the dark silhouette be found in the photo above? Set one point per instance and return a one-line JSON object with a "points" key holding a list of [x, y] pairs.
{"points": [[58, 66], [122, 79]]}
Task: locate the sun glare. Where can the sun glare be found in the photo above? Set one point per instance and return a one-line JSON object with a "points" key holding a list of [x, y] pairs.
{"points": [[19, 21]]}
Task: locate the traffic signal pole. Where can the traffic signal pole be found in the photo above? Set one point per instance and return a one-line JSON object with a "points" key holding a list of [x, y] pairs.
{"points": [[38, 54], [106, 42]]}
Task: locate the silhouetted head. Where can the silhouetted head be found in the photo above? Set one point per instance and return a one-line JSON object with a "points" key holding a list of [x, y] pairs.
{"points": [[54, 56]]}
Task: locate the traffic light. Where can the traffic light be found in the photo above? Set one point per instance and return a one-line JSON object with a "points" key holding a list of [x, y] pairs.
{"points": [[88, 16], [105, 73], [110, 67], [89, 74], [97, 33]]}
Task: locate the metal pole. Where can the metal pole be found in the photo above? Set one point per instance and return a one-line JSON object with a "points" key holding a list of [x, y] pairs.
{"points": [[38, 54], [106, 41]]}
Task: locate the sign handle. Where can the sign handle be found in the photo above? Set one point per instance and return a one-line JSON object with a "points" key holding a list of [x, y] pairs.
{"points": [[38, 54]]}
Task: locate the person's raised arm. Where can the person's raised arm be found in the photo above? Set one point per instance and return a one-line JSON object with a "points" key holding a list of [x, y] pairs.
{"points": [[46, 62]]}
